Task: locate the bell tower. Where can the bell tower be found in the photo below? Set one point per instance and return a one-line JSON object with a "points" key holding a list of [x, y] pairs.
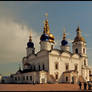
{"points": [[79, 44]]}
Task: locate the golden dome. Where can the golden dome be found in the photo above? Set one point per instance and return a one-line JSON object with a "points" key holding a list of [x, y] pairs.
{"points": [[51, 36], [79, 38], [47, 29]]}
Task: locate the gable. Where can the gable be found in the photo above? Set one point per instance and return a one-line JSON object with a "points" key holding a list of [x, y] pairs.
{"points": [[66, 54], [75, 56], [55, 52]]}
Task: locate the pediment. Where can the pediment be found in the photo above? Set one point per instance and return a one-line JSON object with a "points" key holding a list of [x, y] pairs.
{"points": [[76, 56], [41, 53], [66, 54], [55, 52]]}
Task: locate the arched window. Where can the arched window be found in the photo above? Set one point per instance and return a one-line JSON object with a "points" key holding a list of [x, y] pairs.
{"points": [[51, 46], [39, 67], [76, 51], [56, 65], [76, 67], [66, 79], [56, 75], [26, 77], [34, 68], [84, 50], [67, 66], [84, 62], [31, 67], [43, 67]]}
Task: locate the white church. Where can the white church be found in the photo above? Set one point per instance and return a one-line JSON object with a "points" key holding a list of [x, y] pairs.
{"points": [[51, 65]]}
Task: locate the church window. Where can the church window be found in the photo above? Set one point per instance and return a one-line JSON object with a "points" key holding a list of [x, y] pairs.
{"points": [[18, 78], [43, 67], [31, 67], [23, 77], [76, 51], [51, 46], [39, 67], [26, 77], [76, 67], [30, 77], [66, 79], [57, 76], [67, 67], [83, 50], [56, 65], [15, 78], [34, 67], [84, 62]]}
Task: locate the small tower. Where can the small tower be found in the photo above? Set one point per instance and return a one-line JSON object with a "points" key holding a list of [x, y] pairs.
{"points": [[46, 39], [64, 43], [30, 46], [79, 44]]}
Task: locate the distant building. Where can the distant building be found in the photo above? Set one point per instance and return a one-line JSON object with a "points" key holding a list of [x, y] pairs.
{"points": [[6, 79], [0, 78], [51, 65]]}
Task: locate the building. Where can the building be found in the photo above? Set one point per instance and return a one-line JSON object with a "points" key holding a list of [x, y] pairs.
{"points": [[0, 78], [51, 65]]}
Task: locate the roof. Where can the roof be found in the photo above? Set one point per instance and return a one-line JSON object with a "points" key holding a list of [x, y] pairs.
{"points": [[70, 71]]}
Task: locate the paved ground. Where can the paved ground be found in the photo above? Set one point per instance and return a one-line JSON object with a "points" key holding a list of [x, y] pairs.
{"points": [[39, 87]]}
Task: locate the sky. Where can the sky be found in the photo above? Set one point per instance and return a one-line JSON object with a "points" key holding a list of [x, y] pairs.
{"points": [[19, 18]]}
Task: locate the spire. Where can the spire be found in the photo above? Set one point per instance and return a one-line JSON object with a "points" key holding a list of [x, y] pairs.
{"points": [[79, 36], [30, 44], [64, 42], [64, 34], [46, 25], [30, 37], [78, 31], [47, 36]]}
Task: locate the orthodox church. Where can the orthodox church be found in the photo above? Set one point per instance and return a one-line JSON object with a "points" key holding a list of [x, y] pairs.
{"points": [[51, 65]]}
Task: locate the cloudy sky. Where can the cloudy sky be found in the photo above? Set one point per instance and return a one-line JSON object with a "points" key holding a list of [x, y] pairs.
{"points": [[18, 19]]}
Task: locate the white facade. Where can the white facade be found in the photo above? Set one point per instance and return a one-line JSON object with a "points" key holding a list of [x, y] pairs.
{"points": [[51, 65]]}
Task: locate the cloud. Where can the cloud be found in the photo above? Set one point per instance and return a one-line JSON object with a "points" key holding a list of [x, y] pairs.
{"points": [[13, 40]]}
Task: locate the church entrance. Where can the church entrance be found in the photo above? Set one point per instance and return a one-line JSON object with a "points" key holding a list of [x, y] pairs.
{"points": [[73, 80], [43, 80]]}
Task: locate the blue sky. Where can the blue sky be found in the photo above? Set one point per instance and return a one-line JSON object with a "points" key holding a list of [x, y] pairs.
{"points": [[18, 18]]}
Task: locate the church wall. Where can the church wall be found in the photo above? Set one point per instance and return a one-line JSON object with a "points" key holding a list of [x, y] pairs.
{"points": [[62, 61], [40, 60]]}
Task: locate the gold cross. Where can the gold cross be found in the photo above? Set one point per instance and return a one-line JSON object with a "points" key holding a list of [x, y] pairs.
{"points": [[46, 15]]}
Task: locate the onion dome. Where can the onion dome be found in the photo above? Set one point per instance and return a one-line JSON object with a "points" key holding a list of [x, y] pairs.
{"points": [[44, 37], [30, 44], [79, 36], [51, 38], [47, 36], [64, 42]]}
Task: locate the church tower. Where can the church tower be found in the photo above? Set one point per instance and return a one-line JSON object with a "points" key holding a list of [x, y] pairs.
{"points": [[79, 44], [46, 39], [64, 43], [30, 46]]}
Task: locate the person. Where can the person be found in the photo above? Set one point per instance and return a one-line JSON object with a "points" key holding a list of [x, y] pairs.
{"points": [[89, 86], [80, 85], [85, 85]]}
